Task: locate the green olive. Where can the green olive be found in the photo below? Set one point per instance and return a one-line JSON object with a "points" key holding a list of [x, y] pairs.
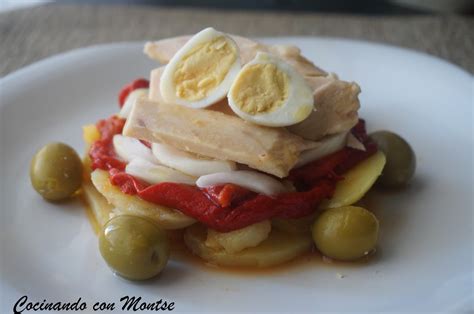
{"points": [[346, 233], [401, 160], [56, 171], [134, 247]]}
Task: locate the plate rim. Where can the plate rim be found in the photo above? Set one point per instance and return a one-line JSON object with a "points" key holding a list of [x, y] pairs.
{"points": [[107, 45], [131, 44]]}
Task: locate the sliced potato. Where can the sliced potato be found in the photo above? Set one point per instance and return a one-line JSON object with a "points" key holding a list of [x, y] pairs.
{"points": [[357, 182], [237, 240], [298, 225], [87, 169], [278, 248], [98, 206], [90, 134], [165, 217]]}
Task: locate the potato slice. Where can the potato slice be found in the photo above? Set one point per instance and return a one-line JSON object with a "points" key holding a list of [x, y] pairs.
{"points": [[238, 240], [357, 182], [90, 134], [278, 248], [125, 204], [298, 225], [98, 209], [98, 206]]}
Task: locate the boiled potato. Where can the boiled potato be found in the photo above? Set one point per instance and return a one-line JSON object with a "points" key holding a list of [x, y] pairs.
{"points": [[125, 204], [278, 248], [297, 225], [90, 134], [357, 182], [99, 208], [237, 240]]}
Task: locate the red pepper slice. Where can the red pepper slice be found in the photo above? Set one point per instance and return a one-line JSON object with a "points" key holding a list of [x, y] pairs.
{"points": [[127, 183], [194, 203], [229, 207], [102, 152], [127, 89], [228, 194]]}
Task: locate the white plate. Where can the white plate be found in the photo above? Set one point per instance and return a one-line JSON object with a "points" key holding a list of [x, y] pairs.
{"points": [[425, 262]]}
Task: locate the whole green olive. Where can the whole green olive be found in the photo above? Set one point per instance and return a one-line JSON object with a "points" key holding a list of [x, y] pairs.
{"points": [[56, 171], [345, 233], [401, 160], [134, 247]]}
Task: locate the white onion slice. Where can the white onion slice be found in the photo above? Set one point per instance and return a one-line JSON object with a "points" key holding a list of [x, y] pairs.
{"points": [[128, 148], [353, 142], [151, 173], [252, 180], [188, 163], [328, 145], [130, 101]]}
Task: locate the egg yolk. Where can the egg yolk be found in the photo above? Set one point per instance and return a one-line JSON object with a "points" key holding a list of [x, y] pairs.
{"points": [[204, 68], [260, 88]]}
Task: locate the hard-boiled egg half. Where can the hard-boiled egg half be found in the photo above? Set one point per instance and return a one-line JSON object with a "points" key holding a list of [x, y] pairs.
{"points": [[202, 71], [268, 91]]}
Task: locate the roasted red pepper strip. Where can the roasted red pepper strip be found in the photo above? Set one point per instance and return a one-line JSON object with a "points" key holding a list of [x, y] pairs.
{"points": [[102, 152], [127, 89], [229, 207], [194, 203], [127, 183], [228, 194]]}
